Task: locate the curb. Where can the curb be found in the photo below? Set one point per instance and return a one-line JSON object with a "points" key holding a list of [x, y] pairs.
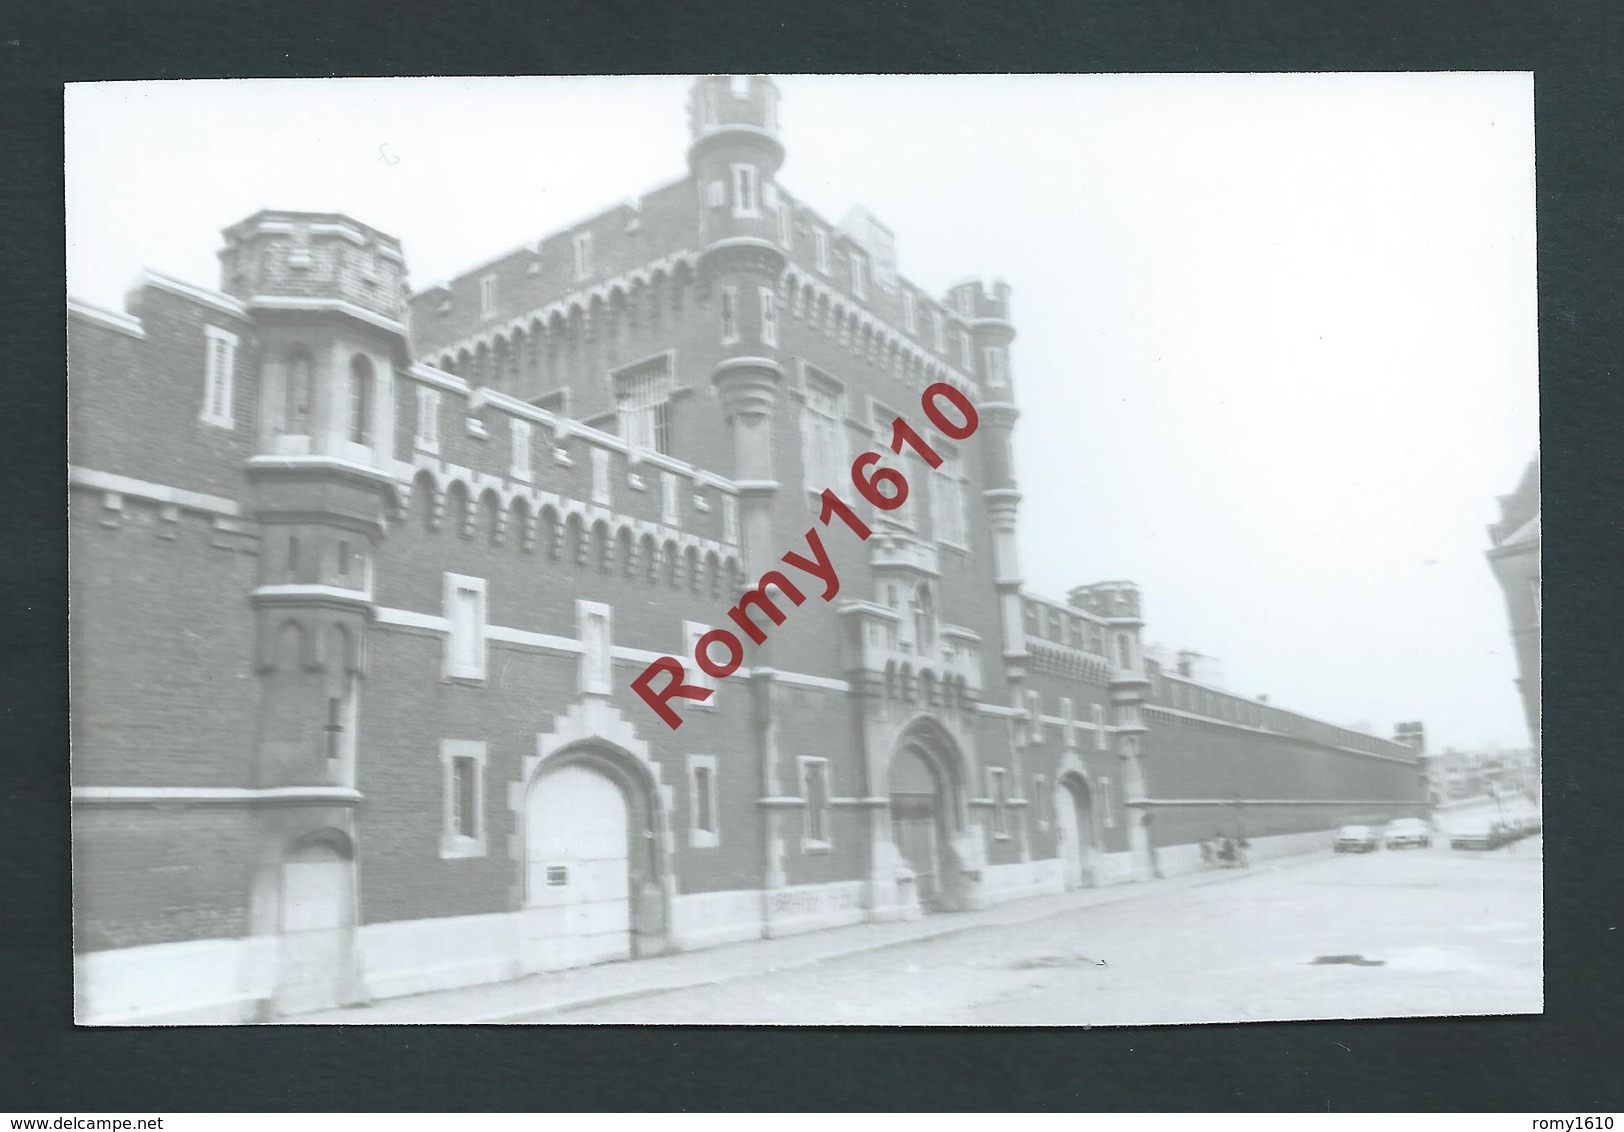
{"points": [[1120, 894]]}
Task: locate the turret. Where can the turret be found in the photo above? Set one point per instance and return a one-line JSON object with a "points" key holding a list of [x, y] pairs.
{"points": [[326, 297]]}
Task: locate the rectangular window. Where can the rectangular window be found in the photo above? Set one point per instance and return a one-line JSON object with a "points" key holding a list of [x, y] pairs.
{"points": [[642, 402], [823, 435], [769, 316], [910, 313], [786, 224], [730, 519], [967, 355], [859, 276], [465, 803], [1107, 802], [520, 468], [716, 194], [670, 494], [693, 674], [1000, 802], [1099, 727], [428, 420], [465, 615], [220, 361], [462, 825], [1041, 800], [949, 502], [583, 255], [746, 202], [729, 309], [709, 106], [815, 788], [594, 625], [916, 508], [601, 494], [1066, 713], [703, 831], [938, 330], [487, 297], [820, 249], [997, 366]]}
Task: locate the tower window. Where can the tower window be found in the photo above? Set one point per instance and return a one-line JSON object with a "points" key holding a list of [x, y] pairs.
{"points": [[739, 85], [583, 255], [334, 727], [487, 297], [708, 105], [220, 359], [997, 366], [859, 276], [769, 316], [910, 314], [820, 248], [361, 400], [296, 411], [938, 330], [786, 224], [729, 300], [745, 197], [966, 351]]}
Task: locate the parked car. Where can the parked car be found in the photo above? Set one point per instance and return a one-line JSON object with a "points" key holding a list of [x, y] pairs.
{"points": [[1407, 831], [1356, 839], [1482, 835]]}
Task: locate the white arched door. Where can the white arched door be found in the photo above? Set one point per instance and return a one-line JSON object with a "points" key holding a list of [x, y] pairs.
{"points": [[577, 874], [316, 929]]}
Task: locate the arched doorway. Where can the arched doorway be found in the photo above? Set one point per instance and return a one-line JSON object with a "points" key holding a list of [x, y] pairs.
{"points": [[918, 823], [1074, 817], [590, 855], [316, 926]]}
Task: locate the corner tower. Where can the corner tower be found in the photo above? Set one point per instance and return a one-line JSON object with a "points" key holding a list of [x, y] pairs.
{"points": [[326, 297]]}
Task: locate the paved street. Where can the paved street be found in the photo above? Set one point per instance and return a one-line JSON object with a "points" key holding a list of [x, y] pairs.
{"points": [[1420, 932]]}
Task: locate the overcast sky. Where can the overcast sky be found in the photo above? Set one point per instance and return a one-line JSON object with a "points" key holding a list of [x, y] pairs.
{"points": [[1276, 348]]}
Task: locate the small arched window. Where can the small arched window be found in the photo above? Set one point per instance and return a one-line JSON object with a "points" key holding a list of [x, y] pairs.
{"points": [[296, 410], [360, 400]]}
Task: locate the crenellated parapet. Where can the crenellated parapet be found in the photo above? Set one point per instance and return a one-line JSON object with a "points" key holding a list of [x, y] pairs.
{"points": [[279, 260]]}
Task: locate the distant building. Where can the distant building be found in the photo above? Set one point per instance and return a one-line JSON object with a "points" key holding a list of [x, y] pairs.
{"points": [[1514, 557], [362, 577]]}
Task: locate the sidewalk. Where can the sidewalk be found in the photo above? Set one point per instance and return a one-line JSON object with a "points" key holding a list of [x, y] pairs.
{"points": [[560, 991]]}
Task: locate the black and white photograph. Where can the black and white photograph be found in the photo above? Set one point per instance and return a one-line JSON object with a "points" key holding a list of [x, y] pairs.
{"points": [[804, 550]]}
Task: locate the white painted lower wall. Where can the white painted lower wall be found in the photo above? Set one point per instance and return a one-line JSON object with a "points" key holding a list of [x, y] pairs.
{"points": [[706, 919], [1001, 883], [196, 982], [812, 907], [215, 981]]}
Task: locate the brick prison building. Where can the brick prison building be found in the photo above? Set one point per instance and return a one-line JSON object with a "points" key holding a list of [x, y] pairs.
{"points": [[362, 579]]}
